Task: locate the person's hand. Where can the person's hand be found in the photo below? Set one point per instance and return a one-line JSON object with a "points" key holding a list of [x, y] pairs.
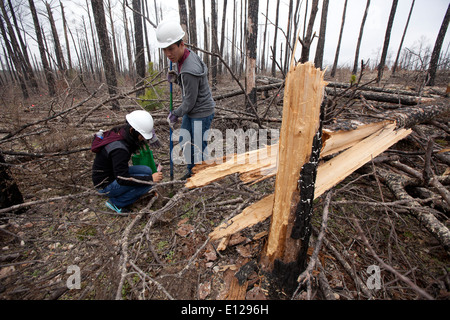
{"points": [[172, 119], [154, 141], [172, 76], [157, 176]]}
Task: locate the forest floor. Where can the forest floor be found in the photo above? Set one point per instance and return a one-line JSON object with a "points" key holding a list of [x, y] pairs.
{"points": [[161, 250]]}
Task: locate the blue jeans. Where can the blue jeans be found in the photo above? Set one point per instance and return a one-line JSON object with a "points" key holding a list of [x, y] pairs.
{"points": [[122, 196], [196, 128]]}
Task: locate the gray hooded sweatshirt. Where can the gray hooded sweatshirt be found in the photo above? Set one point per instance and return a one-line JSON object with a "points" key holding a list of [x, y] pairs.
{"points": [[196, 94]]}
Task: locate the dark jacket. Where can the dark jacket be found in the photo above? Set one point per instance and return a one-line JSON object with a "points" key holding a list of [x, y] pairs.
{"points": [[193, 80], [112, 161]]}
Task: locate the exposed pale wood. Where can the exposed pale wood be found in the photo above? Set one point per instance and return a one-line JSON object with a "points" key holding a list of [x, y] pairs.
{"points": [[257, 212], [328, 175], [260, 164], [304, 90]]}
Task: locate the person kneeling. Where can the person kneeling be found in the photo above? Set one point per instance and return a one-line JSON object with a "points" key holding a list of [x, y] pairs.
{"points": [[111, 174]]}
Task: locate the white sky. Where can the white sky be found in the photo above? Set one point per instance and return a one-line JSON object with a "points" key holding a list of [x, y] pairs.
{"points": [[424, 26]]}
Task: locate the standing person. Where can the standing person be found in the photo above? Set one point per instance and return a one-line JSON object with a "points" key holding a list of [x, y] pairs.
{"points": [[197, 107], [110, 171]]}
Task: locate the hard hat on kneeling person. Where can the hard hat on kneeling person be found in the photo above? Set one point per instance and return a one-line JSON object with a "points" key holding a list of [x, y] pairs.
{"points": [[142, 122], [168, 33]]}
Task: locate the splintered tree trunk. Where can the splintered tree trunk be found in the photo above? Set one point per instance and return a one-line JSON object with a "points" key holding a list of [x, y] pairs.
{"points": [[105, 48], [252, 36], [301, 123]]}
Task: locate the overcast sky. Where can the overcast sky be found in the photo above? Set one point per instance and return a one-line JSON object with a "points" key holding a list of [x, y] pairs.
{"points": [[423, 29]]}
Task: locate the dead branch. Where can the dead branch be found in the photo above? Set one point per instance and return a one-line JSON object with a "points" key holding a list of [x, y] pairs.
{"points": [[408, 281]]}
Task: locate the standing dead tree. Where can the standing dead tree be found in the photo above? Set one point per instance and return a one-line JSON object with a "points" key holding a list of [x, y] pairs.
{"points": [[105, 48]]}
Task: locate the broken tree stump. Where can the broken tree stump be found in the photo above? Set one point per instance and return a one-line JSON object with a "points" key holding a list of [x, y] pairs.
{"points": [[304, 92]]}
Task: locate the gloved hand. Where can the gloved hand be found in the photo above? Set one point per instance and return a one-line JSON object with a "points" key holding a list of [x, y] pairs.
{"points": [[154, 141], [172, 119], [172, 76]]}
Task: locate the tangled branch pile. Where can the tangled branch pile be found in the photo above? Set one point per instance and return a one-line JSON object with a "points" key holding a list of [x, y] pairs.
{"points": [[162, 250]]}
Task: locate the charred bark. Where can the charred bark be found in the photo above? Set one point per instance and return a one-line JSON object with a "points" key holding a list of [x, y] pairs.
{"points": [[10, 194]]}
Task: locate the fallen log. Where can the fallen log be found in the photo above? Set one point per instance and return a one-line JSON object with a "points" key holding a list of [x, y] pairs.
{"points": [[380, 97]]}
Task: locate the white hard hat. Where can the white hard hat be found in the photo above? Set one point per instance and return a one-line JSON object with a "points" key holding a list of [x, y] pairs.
{"points": [[142, 122], [168, 32]]}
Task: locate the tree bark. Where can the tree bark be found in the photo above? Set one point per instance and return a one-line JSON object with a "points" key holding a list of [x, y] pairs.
{"points": [[139, 46], [307, 40], [361, 31], [105, 48], [58, 51], [48, 72], [387, 38], [214, 43], [192, 23], [274, 47], [318, 60], [336, 56], [252, 36], [437, 48], [394, 68], [10, 194]]}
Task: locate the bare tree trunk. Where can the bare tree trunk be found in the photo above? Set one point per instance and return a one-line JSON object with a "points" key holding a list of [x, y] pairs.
{"points": [[394, 68], [113, 36], [318, 59], [58, 51], [214, 44], [192, 23], [336, 56], [358, 45], [222, 36], [15, 60], [48, 72], [105, 48], [387, 38], [94, 44], [274, 47], [24, 56], [145, 17], [288, 36], [252, 37], [183, 17], [205, 36], [127, 40], [437, 48], [263, 49], [139, 46], [66, 38], [307, 40]]}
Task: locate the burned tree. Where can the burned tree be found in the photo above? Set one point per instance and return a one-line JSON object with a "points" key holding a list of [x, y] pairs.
{"points": [[252, 37], [105, 48], [437, 48]]}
